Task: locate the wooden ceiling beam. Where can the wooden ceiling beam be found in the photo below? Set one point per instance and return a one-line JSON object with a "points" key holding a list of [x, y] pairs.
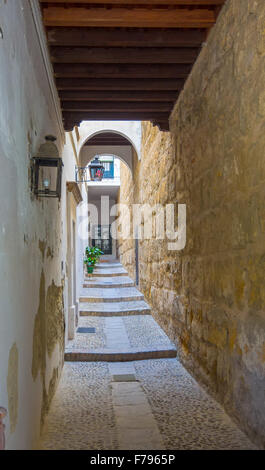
{"points": [[110, 138], [122, 71], [104, 139], [163, 125], [138, 2], [125, 17], [100, 37], [114, 106], [108, 85], [95, 55], [106, 143], [72, 118], [79, 95]]}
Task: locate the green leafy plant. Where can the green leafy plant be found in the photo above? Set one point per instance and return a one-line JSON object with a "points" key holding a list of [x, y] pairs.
{"points": [[92, 256]]}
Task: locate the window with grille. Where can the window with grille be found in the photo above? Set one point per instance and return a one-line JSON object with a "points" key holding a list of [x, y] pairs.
{"points": [[108, 163]]}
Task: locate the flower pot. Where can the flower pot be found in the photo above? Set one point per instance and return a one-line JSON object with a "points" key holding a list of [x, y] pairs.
{"points": [[90, 269]]}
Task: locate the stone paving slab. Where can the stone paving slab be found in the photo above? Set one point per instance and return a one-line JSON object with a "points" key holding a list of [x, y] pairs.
{"points": [[136, 426], [118, 368], [124, 378], [134, 307], [116, 334]]}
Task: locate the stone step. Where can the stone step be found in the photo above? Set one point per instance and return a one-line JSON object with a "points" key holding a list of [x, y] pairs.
{"points": [[119, 309], [122, 294], [120, 355], [108, 266], [124, 298], [107, 273], [120, 339], [118, 281]]}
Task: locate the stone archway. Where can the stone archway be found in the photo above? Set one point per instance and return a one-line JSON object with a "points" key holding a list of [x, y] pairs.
{"points": [[129, 130]]}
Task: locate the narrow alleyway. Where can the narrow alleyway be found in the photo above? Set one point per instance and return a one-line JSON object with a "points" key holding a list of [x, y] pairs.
{"points": [[122, 386]]}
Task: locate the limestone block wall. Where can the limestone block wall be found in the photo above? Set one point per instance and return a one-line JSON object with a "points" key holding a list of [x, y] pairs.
{"points": [[210, 296], [33, 235], [126, 246]]}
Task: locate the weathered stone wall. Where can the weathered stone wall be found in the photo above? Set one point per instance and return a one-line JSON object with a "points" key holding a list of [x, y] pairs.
{"points": [[210, 296], [126, 246]]}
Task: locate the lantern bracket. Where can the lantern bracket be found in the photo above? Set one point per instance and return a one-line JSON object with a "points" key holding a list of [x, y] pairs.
{"points": [[82, 174]]}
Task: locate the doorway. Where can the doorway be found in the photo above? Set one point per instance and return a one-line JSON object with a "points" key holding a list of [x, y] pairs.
{"points": [[102, 238]]}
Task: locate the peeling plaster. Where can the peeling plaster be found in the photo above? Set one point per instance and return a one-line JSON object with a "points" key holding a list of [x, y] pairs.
{"points": [[42, 248], [55, 318], [49, 330], [47, 397], [39, 336], [50, 253]]}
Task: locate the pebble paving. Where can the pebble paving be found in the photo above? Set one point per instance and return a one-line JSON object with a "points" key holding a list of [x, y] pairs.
{"points": [[188, 418], [162, 404], [89, 340], [142, 332], [82, 412]]}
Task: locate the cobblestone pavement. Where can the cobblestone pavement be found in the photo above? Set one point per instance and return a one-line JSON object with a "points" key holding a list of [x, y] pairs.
{"points": [[89, 340], [147, 404], [138, 331], [188, 418], [82, 414]]}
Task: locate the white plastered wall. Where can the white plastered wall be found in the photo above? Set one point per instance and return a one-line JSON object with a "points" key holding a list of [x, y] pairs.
{"points": [[28, 112]]}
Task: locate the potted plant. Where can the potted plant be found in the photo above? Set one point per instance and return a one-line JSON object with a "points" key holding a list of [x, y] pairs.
{"points": [[92, 256], [90, 263]]}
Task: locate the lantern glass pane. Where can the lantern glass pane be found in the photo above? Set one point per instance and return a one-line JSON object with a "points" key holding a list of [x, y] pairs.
{"points": [[96, 174], [48, 179]]}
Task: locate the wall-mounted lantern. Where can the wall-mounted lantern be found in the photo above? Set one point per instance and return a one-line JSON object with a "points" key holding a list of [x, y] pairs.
{"points": [[96, 170], [47, 170]]}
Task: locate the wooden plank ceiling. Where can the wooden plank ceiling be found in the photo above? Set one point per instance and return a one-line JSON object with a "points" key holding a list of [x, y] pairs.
{"points": [[107, 139], [124, 59]]}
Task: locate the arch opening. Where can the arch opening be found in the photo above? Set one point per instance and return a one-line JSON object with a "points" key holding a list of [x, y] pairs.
{"points": [[118, 133], [106, 143]]}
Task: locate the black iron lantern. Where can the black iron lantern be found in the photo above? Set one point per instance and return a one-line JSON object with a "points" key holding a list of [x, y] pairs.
{"points": [[96, 170], [47, 170]]}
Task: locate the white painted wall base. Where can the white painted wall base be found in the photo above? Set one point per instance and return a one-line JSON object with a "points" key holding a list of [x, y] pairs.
{"points": [[71, 322]]}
